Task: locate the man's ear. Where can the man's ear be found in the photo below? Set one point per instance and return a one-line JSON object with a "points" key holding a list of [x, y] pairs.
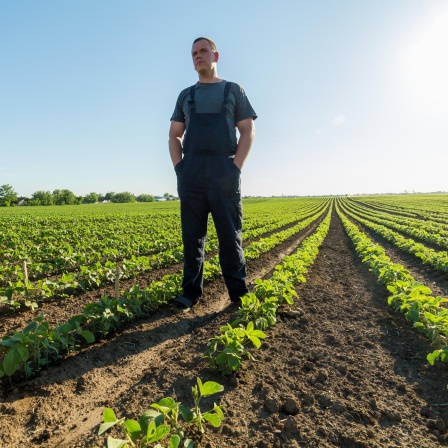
{"points": [[216, 56]]}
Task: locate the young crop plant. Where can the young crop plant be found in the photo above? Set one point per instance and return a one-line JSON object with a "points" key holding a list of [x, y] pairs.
{"points": [[262, 314], [166, 418], [227, 351]]}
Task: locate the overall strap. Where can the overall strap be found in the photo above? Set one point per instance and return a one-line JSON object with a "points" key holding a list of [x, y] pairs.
{"points": [[192, 90], [227, 90]]}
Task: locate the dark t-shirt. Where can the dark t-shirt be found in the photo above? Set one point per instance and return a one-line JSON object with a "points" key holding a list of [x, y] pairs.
{"points": [[208, 98]]}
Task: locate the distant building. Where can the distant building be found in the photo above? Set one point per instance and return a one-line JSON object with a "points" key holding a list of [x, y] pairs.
{"points": [[21, 200]]}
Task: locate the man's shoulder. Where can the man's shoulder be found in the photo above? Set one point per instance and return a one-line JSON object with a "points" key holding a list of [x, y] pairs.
{"points": [[185, 92]]}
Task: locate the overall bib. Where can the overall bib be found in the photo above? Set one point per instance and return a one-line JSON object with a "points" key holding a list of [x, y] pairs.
{"points": [[209, 182]]}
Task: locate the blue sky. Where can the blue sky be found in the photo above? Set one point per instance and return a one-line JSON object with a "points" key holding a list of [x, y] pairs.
{"points": [[351, 95]]}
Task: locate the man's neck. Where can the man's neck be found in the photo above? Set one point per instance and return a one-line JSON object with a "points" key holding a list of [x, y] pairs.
{"points": [[209, 78]]}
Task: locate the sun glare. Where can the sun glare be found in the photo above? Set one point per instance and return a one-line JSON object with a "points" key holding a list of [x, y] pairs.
{"points": [[426, 64]]}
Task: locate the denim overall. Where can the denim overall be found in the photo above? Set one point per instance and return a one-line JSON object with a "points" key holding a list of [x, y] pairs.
{"points": [[209, 182]]}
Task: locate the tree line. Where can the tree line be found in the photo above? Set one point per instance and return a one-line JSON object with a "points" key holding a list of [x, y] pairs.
{"points": [[9, 197]]}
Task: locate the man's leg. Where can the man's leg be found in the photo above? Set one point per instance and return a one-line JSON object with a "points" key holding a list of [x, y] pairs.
{"points": [[226, 208], [194, 216]]}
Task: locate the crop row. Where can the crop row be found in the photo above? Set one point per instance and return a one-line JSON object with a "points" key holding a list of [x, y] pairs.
{"points": [[424, 230], [437, 259], [39, 344], [430, 207], [258, 310], [427, 313]]}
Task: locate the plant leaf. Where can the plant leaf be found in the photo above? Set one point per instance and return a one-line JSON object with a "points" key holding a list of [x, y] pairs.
{"points": [[116, 443], [174, 441], [88, 336], [109, 415], [213, 419], [133, 428], [210, 388]]}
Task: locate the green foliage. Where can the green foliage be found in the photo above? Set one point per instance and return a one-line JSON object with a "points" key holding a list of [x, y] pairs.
{"points": [[64, 197], [166, 418], [428, 314], [123, 197], [227, 351], [145, 198], [8, 196], [91, 198]]}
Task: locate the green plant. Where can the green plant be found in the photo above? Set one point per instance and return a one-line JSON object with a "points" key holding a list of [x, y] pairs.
{"points": [[227, 351], [164, 420], [262, 314]]}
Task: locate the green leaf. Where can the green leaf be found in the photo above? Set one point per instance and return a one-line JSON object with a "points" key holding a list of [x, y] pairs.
{"points": [[210, 388], [188, 443], [164, 409], [233, 362], [186, 413], [148, 416], [255, 341], [11, 362], [116, 443], [109, 415], [133, 428], [106, 426], [432, 357], [167, 402], [174, 441], [23, 352], [218, 411], [88, 336], [159, 433], [258, 334], [213, 419]]}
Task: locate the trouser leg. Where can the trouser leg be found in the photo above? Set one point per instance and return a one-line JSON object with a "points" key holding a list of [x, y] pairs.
{"points": [[194, 216], [226, 208]]}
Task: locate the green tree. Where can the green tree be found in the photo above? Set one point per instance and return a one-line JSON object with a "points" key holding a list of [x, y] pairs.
{"points": [[64, 197], [7, 195], [109, 196], [91, 198], [123, 197], [145, 198], [41, 198]]}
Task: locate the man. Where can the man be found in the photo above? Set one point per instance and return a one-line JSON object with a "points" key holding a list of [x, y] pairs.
{"points": [[208, 174]]}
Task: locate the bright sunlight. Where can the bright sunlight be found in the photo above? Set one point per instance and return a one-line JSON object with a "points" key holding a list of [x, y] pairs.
{"points": [[426, 64]]}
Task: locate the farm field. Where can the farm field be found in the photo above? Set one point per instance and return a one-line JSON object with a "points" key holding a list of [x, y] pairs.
{"points": [[340, 367]]}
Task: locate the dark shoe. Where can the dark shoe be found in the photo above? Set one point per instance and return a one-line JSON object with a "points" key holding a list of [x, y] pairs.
{"points": [[181, 305]]}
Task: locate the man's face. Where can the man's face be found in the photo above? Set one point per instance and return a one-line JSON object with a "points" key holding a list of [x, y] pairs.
{"points": [[203, 56]]}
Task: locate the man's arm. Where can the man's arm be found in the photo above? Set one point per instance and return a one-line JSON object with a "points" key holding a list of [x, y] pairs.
{"points": [[176, 134], [246, 129]]}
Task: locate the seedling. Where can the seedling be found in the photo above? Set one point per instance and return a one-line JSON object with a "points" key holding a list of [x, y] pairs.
{"points": [[164, 420]]}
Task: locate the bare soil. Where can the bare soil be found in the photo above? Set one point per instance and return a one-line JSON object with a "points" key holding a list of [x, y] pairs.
{"points": [[344, 370]]}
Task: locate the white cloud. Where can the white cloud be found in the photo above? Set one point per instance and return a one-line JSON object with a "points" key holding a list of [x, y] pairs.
{"points": [[339, 120]]}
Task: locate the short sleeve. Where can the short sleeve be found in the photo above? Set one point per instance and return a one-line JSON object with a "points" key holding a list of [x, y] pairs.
{"points": [[179, 109], [243, 108]]}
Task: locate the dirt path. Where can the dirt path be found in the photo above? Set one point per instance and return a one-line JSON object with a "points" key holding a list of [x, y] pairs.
{"points": [[345, 371]]}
